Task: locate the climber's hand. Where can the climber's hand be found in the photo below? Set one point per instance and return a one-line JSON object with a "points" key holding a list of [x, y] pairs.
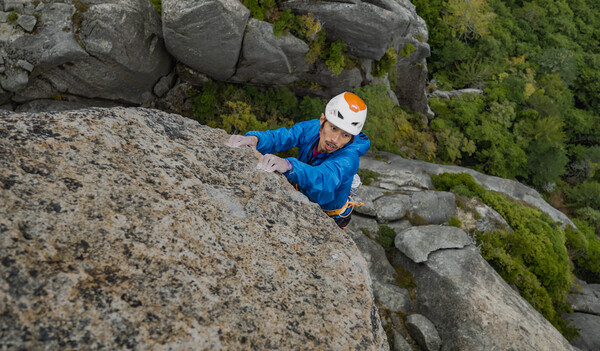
{"points": [[240, 140], [270, 163]]}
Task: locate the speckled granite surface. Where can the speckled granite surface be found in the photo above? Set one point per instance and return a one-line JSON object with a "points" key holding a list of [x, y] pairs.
{"points": [[131, 228]]}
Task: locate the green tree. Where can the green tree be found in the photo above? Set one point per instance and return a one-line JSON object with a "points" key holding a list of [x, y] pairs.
{"points": [[469, 19]]}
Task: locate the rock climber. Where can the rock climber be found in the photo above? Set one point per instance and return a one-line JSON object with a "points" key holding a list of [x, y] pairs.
{"points": [[328, 154]]}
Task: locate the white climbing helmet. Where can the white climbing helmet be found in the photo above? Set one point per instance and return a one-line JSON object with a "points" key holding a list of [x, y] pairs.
{"points": [[347, 112]]}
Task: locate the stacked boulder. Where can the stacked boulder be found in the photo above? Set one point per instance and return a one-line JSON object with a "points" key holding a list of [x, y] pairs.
{"points": [[61, 54], [75, 54]]}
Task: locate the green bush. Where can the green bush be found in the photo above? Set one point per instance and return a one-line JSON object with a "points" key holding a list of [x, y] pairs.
{"points": [[386, 236], [12, 17], [385, 64], [335, 56], [584, 248], [238, 109], [586, 194], [393, 129], [454, 222], [367, 176], [407, 50], [533, 257]]}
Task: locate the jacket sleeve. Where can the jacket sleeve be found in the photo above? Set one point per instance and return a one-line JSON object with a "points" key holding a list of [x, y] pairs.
{"points": [[320, 182], [282, 139]]}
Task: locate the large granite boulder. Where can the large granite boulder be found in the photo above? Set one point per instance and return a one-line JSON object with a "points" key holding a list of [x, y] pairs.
{"points": [[93, 49], [471, 306], [270, 60], [369, 28], [133, 228], [205, 35]]}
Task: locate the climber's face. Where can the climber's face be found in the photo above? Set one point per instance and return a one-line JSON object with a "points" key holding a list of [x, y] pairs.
{"points": [[332, 138]]}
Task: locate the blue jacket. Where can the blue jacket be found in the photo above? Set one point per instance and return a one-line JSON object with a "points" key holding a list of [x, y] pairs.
{"points": [[327, 178]]}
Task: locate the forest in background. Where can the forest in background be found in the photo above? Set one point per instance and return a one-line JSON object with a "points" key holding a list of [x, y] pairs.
{"points": [[537, 121]]}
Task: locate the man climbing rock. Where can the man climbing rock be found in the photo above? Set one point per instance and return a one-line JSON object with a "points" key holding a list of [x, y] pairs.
{"points": [[328, 154]]}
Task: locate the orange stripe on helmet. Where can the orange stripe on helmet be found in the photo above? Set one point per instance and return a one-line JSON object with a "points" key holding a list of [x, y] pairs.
{"points": [[356, 104]]}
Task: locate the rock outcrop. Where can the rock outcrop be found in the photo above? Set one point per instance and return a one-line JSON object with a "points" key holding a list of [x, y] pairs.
{"points": [[585, 302], [398, 173], [77, 50], [95, 50], [133, 228]]}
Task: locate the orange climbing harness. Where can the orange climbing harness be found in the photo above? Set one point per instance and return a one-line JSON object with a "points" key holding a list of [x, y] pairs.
{"points": [[342, 215]]}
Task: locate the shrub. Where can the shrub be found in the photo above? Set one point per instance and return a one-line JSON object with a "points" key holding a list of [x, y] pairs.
{"points": [[390, 127], [454, 222], [407, 50], [584, 248], [335, 57], [239, 109], [241, 120], [533, 257], [13, 16], [586, 194], [367, 176], [385, 64], [386, 236]]}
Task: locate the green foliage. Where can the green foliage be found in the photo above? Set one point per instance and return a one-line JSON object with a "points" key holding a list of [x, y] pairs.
{"points": [[261, 9], [469, 20], [454, 222], [559, 61], [586, 194], [157, 4], [392, 129], [533, 257], [584, 248], [367, 176], [407, 50], [13, 16], [334, 56], [286, 23], [386, 236], [591, 216], [383, 66], [240, 109], [241, 119]]}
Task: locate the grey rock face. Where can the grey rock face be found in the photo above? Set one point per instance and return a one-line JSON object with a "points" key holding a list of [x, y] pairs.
{"points": [[400, 344], [392, 207], [473, 308], [27, 22], [588, 325], [270, 60], [205, 35], [585, 298], [330, 83], [424, 332], [369, 29], [476, 216], [435, 207], [83, 51], [367, 194], [392, 297], [414, 69], [418, 242], [134, 228]]}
